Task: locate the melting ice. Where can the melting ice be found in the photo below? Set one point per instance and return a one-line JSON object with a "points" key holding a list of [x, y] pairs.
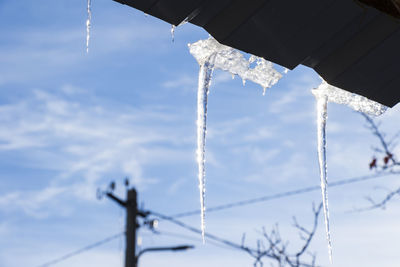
{"points": [[210, 54], [232, 60], [88, 24], [354, 101], [326, 93]]}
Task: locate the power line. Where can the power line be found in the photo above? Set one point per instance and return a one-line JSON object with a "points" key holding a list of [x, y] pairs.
{"points": [[282, 195], [80, 251], [273, 252], [198, 231], [218, 208], [188, 237]]}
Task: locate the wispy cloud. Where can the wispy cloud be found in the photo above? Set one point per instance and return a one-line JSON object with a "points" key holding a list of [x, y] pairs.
{"points": [[295, 165], [184, 82], [226, 128], [33, 54], [32, 202], [260, 134], [83, 143]]}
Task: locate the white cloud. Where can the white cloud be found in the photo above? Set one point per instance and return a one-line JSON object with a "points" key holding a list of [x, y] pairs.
{"points": [[291, 166], [70, 89], [221, 77], [261, 133], [83, 143], [31, 202], [183, 82], [41, 54], [226, 128], [297, 89], [176, 186]]}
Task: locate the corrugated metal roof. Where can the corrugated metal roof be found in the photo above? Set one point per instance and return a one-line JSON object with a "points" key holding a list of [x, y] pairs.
{"points": [[352, 46]]}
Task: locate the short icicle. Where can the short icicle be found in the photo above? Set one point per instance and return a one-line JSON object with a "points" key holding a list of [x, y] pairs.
{"points": [[322, 113], [88, 23], [205, 74], [173, 27]]}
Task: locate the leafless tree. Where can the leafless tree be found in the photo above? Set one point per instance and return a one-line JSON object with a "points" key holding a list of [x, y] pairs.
{"points": [[384, 159], [276, 251]]}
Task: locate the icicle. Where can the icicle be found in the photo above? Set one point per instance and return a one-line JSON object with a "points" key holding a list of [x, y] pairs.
{"points": [[173, 27], [244, 82], [88, 24], [190, 17], [210, 54], [205, 74], [327, 93], [186, 20], [264, 90], [322, 112], [286, 70]]}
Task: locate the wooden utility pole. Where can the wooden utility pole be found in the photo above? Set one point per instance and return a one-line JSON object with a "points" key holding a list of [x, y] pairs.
{"points": [[131, 225], [132, 212]]}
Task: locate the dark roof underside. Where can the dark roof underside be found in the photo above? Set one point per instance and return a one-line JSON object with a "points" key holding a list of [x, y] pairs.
{"points": [[351, 45]]}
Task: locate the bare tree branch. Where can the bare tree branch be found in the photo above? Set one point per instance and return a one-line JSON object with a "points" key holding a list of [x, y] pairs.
{"points": [[388, 162], [276, 250]]}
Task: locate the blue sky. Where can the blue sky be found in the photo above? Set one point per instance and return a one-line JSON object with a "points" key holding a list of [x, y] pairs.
{"points": [[71, 122]]}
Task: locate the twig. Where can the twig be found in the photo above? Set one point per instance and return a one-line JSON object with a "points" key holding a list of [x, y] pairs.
{"points": [[277, 249]]}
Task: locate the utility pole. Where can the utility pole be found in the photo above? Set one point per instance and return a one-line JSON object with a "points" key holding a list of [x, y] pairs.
{"points": [[131, 226], [132, 212]]}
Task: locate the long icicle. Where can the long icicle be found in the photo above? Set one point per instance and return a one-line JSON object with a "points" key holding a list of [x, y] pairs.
{"points": [[322, 114], [205, 74], [327, 93], [88, 24]]}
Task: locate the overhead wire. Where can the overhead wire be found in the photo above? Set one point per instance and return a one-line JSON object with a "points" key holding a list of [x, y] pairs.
{"points": [[231, 244], [81, 250], [215, 238], [282, 195], [198, 231]]}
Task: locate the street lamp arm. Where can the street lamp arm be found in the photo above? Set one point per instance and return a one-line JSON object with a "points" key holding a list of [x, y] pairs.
{"points": [[178, 248]]}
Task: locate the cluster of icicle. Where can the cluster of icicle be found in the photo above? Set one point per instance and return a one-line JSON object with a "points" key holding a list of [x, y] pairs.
{"points": [[212, 55], [232, 60], [327, 93]]}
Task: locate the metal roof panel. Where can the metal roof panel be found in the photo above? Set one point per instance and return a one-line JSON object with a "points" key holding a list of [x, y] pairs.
{"points": [[351, 45]]}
